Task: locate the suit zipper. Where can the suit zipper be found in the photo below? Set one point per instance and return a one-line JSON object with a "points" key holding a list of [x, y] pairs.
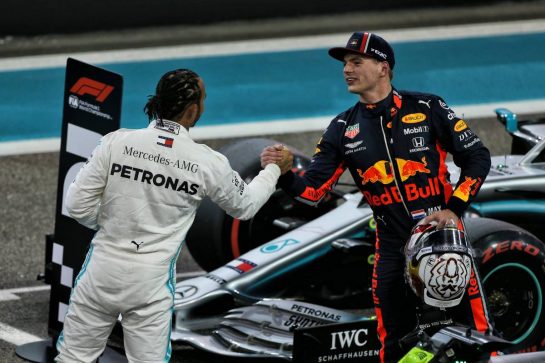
{"points": [[392, 166]]}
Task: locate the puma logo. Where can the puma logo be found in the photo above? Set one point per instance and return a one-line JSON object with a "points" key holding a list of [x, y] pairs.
{"points": [[425, 103], [137, 244]]}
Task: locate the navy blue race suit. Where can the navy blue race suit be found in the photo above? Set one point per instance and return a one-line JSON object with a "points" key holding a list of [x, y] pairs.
{"points": [[395, 151]]}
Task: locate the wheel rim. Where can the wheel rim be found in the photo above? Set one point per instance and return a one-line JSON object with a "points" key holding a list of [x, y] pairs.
{"points": [[505, 304]]}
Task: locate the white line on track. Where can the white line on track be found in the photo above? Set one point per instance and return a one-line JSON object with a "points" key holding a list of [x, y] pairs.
{"points": [[248, 129], [272, 45], [10, 294], [16, 336]]}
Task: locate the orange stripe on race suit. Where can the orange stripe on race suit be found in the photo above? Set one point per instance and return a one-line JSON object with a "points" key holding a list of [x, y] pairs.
{"points": [[397, 101], [315, 195], [461, 226], [374, 277], [479, 316], [381, 330], [443, 172]]}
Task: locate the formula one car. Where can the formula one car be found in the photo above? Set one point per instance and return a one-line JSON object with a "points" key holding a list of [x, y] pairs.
{"points": [[292, 266]]}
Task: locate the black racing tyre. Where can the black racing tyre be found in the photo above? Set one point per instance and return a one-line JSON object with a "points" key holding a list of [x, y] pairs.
{"points": [[512, 269], [216, 238]]}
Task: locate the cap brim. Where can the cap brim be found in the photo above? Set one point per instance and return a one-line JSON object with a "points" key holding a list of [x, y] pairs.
{"points": [[339, 52]]}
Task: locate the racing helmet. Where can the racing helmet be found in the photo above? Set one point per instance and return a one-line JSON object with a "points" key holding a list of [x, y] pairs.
{"points": [[438, 264]]}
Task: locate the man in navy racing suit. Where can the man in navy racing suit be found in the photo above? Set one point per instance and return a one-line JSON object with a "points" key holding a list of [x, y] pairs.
{"points": [[394, 144]]}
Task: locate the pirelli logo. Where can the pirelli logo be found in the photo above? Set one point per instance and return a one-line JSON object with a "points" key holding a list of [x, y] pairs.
{"points": [[88, 86]]}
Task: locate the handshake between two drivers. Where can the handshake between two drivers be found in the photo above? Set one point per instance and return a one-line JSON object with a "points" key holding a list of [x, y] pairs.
{"points": [[278, 154]]}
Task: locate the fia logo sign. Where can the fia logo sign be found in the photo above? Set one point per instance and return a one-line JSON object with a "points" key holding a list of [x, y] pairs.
{"points": [[73, 101]]}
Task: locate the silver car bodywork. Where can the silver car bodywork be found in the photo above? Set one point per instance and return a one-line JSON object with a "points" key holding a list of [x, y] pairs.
{"points": [[264, 328], [221, 312]]}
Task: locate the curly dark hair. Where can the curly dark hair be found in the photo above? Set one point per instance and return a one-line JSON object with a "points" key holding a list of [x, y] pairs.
{"points": [[175, 91]]}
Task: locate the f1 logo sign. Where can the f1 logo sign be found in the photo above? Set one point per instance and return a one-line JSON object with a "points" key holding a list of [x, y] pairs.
{"points": [[87, 86]]}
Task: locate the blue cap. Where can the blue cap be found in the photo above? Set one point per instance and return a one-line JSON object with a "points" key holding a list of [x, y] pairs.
{"points": [[368, 44]]}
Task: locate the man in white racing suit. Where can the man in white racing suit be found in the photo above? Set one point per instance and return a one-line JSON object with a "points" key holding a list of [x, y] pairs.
{"points": [[140, 190]]}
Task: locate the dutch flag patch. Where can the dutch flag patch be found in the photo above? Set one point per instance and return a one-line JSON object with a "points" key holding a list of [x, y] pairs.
{"points": [[418, 214]]}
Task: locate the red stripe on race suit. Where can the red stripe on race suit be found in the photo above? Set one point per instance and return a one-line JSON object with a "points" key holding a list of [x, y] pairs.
{"points": [[235, 248], [397, 101], [443, 172], [314, 195], [381, 330], [479, 316], [381, 333]]}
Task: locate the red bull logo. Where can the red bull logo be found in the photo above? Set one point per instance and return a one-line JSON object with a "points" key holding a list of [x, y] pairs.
{"points": [[412, 191], [408, 168], [380, 172], [463, 190]]}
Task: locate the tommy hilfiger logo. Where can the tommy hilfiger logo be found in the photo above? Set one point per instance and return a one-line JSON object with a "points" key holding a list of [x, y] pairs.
{"points": [[165, 141]]}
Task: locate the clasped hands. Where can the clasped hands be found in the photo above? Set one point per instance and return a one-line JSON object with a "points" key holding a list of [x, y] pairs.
{"points": [[278, 154]]}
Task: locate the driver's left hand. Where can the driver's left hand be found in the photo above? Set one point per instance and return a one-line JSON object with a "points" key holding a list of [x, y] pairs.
{"points": [[442, 217]]}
